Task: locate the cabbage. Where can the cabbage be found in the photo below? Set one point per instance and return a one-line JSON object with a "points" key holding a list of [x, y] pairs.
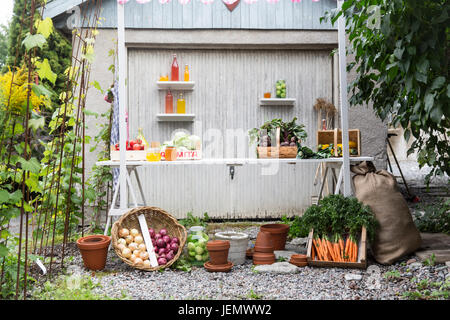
{"points": [[193, 141], [182, 141]]}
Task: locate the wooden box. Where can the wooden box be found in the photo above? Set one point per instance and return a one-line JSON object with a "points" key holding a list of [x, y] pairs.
{"points": [[186, 155], [131, 155], [361, 262], [335, 137], [277, 152]]}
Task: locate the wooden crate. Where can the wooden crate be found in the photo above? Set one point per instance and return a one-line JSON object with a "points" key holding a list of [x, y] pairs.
{"points": [[131, 155], [277, 152], [361, 262], [335, 137]]}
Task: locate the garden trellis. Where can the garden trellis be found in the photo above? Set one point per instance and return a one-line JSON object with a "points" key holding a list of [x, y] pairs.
{"points": [[42, 193]]}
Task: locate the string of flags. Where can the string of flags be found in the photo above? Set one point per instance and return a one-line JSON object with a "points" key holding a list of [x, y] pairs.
{"points": [[228, 2]]}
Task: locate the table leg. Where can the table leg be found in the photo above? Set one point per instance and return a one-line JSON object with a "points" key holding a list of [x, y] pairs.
{"points": [[140, 186], [113, 204], [324, 180], [339, 181]]}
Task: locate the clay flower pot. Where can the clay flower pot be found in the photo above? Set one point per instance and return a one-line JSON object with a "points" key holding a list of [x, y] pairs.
{"points": [[219, 268], [300, 260], [94, 250], [264, 242], [279, 232], [263, 258], [218, 251]]}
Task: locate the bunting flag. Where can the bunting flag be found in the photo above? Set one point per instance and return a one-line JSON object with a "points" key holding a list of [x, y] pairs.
{"points": [[231, 4]]}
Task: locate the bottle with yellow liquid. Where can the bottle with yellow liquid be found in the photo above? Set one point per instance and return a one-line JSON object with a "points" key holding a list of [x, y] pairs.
{"points": [[186, 73], [181, 104], [141, 137]]}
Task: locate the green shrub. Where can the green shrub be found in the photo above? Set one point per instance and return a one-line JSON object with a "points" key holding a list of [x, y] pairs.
{"points": [[433, 218], [297, 228]]}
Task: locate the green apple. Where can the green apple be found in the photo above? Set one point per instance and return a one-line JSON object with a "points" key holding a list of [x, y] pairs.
{"points": [[198, 258], [191, 246], [199, 250], [192, 253]]}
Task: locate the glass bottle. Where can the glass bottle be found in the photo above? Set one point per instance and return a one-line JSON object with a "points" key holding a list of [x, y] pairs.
{"points": [[175, 74], [141, 137], [186, 73], [181, 104], [169, 102]]}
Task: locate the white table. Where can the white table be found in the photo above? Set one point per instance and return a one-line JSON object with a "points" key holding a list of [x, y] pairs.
{"points": [[330, 163]]}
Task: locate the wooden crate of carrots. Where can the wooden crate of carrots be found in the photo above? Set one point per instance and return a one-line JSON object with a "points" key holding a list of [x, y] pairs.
{"points": [[342, 253]]}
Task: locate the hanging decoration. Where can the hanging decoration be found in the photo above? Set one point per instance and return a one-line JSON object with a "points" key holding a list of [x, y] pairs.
{"points": [[231, 4]]}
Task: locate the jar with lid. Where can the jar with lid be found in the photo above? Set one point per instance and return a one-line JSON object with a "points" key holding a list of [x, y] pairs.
{"points": [[195, 249]]}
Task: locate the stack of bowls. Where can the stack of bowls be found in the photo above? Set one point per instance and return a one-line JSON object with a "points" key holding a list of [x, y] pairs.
{"points": [[263, 251]]}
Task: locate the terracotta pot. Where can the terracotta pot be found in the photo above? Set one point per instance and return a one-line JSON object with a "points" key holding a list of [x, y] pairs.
{"points": [[299, 258], [279, 232], [94, 250], [264, 242], [263, 258], [218, 251], [218, 268], [299, 264]]}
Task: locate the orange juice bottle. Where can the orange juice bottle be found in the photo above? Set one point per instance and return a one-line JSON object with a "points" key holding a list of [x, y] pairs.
{"points": [[181, 104], [186, 73]]}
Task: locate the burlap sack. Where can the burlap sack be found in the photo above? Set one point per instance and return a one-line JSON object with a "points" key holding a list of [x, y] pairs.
{"points": [[397, 234]]}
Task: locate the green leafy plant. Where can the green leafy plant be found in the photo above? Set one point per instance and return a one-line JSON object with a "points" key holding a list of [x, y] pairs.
{"points": [[427, 290], [297, 228], [291, 133], [392, 275], [337, 214], [402, 69], [192, 220], [431, 261], [253, 295], [307, 153], [182, 264], [434, 218]]}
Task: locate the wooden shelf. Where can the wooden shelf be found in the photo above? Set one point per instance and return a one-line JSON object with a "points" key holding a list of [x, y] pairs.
{"points": [[179, 117], [287, 102], [176, 85]]}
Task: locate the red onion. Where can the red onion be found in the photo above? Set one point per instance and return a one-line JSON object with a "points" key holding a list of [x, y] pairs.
{"points": [[166, 239], [161, 251], [162, 261], [160, 243], [169, 256], [158, 236], [168, 248], [175, 240], [174, 247], [163, 232], [152, 232], [154, 242], [162, 255]]}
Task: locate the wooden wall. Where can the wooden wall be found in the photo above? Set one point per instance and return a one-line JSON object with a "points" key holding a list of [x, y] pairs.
{"points": [[229, 84]]}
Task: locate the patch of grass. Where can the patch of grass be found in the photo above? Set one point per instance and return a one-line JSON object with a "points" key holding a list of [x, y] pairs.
{"points": [[73, 287], [391, 275], [428, 290], [254, 296], [431, 261], [282, 259]]}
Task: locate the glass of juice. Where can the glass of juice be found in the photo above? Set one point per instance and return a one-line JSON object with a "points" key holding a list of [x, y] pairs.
{"points": [[154, 154], [267, 95]]}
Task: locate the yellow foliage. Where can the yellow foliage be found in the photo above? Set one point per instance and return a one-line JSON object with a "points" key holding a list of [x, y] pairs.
{"points": [[15, 94]]}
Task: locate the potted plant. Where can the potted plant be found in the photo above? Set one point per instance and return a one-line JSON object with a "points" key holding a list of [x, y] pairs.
{"points": [[278, 139]]}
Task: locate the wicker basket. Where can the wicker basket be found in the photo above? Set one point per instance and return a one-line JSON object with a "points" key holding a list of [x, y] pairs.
{"points": [[157, 219]]}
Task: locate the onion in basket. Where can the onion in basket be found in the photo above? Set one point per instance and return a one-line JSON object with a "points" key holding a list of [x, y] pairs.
{"points": [[124, 232]]}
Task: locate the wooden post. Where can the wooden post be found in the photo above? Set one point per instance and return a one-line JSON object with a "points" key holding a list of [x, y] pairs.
{"points": [[122, 64], [344, 108]]}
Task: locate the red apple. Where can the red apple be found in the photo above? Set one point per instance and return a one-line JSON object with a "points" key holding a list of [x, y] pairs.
{"points": [[136, 146]]}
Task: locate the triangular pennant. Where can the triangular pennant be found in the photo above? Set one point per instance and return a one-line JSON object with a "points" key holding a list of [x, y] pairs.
{"points": [[230, 4]]}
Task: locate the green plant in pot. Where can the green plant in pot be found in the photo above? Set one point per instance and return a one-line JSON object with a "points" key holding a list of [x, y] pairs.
{"points": [[291, 133]]}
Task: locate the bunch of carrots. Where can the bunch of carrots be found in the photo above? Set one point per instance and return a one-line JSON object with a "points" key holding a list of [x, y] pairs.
{"points": [[338, 250]]}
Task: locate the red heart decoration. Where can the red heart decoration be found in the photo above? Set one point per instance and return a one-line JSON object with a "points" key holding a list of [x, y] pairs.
{"points": [[233, 5]]}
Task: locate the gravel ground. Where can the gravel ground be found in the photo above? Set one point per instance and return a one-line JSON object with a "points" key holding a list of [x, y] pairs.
{"points": [[242, 282]]}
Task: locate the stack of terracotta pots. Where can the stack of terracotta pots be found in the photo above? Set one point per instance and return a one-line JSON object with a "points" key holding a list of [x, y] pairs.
{"points": [[263, 251], [300, 260], [279, 232], [218, 255]]}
